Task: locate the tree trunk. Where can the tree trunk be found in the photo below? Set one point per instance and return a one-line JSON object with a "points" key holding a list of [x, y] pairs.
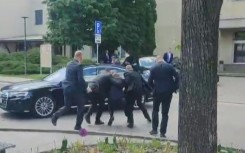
{"points": [[198, 88]]}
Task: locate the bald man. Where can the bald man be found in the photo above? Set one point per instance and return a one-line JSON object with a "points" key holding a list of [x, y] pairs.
{"points": [[134, 91], [74, 89], [164, 80]]}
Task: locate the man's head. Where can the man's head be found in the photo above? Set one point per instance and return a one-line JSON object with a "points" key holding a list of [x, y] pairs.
{"points": [[159, 59], [129, 68], [115, 75], [78, 56], [168, 57]]}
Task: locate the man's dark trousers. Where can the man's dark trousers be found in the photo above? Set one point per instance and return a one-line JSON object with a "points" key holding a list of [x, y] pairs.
{"points": [[131, 97], [79, 99], [165, 100], [97, 99]]}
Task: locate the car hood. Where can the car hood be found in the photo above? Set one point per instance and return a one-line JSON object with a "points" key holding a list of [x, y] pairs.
{"points": [[29, 85]]}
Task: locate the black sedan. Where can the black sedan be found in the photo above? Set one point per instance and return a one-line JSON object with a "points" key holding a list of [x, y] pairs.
{"points": [[43, 97]]}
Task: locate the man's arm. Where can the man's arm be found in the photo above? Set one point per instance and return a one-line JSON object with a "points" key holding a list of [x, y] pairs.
{"points": [[176, 79], [80, 77], [150, 79], [127, 78]]}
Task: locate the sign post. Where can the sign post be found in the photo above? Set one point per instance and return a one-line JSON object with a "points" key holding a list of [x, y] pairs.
{"points": [[46, 57], [97, 39]]}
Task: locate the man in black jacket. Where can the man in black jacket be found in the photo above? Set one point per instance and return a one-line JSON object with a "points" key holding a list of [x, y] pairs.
{"points": [[164, 80], [74, 89], [104, 82], [133, 92]]}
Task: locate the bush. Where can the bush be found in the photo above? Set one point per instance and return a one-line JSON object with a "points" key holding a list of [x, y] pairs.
{"points": [[14, 63], [33, 56]]}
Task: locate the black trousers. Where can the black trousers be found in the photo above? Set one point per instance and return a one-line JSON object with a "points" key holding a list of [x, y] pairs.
{"points": [[98, 102], [111, 106], [76, 98], [131, 97], [165, 100], [142, 107]]}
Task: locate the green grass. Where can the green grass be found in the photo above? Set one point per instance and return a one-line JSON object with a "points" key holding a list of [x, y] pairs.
{"points": [[28, 76], [121, 145]]}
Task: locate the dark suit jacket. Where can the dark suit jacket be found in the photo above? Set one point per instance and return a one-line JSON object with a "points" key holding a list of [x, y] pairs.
{"points": [[163, 78], [74, 77], [104, 82], [116, 90], [107, 59], [133, 82]]}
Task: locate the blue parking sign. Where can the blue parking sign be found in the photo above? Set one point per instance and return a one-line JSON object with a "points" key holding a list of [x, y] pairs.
{"points": [[98, 27]]}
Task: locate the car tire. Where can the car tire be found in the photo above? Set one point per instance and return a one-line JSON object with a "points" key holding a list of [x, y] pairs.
{"points": [[44, 106]]}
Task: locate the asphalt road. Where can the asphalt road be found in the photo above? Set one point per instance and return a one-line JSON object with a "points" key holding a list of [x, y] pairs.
{"points": [[2, 84], [231, 112]]}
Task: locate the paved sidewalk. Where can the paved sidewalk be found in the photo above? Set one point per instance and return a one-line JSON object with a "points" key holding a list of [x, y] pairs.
{"points": [[9, 79], [230, 124]]}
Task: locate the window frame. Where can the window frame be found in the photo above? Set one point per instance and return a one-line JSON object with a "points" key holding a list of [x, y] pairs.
{"points": [[39, 17]]}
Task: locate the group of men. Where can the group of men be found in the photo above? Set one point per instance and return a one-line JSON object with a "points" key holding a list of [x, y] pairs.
{"points": [[163, 81]]}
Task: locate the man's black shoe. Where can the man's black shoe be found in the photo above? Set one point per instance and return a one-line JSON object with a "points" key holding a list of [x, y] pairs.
{"points": [[87, 118], [148, 119], [110, 121], [130, 125], [77, 128], [54, 120], [99, 122], [162, 135], [153, 132]]}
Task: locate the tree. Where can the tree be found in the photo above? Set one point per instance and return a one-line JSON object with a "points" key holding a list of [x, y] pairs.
{"points": [[198, 89], [137, 25], [72, 22], [149, 43], [128, 23]]}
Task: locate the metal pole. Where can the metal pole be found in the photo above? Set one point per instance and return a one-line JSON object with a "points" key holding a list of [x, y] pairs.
{"points": [[25, 45], [97, 52]]}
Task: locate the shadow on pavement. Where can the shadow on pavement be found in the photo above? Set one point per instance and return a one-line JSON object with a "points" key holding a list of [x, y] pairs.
{"points": [[29, 116]]}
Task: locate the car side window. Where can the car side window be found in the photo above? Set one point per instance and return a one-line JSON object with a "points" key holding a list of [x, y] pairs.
{"points": [[102, 70], [89, 71]]}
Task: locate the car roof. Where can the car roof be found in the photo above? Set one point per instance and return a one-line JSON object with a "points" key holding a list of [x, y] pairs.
{"points": [[152, 57], [104, 65]]}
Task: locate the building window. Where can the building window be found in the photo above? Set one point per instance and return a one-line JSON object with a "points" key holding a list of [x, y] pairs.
{"points": [[239, 54], [240, 35], [239, 48], [39, 17]]}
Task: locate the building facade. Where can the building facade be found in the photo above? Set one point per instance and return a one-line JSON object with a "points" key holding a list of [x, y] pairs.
{"points": [[231, 36], [168, 28], [12, 23]]}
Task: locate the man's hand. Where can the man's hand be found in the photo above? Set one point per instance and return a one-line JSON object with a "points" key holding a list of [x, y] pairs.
{"points": [[89, 89]]}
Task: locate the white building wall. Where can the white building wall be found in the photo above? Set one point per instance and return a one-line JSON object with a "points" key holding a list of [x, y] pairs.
{"points": [[11, 23]]}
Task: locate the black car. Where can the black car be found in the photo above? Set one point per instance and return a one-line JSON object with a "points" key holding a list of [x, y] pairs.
{"points": [[43, 97]]}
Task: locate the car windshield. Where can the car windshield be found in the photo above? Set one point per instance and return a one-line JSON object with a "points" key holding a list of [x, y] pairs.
{"points": [[57, 76], [147, 62]]}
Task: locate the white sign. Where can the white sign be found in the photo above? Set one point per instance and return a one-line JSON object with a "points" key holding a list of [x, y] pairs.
{"points": [[46, 55], [97, 38]]}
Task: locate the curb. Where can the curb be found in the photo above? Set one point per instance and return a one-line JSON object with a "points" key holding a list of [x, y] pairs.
{"points": [[231, 74], [93, 133]]}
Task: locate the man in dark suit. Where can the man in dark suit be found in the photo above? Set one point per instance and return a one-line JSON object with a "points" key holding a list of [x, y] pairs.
{"points": [[133, 92], [164, 80], [74, 89], [104, 82], [133, 61], [107, 58]]}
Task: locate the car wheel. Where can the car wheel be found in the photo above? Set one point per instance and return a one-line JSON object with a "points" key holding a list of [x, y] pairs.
{"points": [[44, 106]]}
